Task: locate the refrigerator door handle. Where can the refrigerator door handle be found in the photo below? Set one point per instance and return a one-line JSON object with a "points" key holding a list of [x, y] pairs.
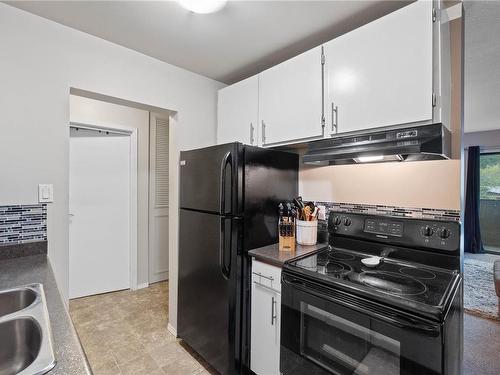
{"points": [[225, 160], [225, 270]]}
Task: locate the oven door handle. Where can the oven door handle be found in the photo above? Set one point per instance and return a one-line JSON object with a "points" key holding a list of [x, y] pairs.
{"points": [[408, 324], [431, 330]]}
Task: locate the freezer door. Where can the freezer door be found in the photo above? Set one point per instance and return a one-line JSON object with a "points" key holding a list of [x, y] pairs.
{"points": [[209, 288], [209, 179], [271, 177]]}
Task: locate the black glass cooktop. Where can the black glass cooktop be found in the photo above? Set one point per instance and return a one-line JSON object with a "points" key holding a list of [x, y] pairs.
{"points": [[413, 283]]}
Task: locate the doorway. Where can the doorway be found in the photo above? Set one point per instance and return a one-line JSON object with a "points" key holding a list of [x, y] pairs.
{"points": [[100, 203], [149, 133]]}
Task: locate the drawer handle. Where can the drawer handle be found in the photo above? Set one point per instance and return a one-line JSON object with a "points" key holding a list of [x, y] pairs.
{"points": [[266, 287], [270, 278]]}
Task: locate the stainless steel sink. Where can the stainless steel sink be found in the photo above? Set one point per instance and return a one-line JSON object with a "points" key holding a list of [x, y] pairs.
{"points": [[21, 340], [25, 333], [15, 300]]}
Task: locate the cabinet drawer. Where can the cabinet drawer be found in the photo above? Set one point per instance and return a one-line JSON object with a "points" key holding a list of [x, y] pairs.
{"points": [[266, 275]]}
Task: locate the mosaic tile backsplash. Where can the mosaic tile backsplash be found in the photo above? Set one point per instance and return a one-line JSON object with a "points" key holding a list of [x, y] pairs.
{"points": [[415, 213], [23, 224], [393, 211]]}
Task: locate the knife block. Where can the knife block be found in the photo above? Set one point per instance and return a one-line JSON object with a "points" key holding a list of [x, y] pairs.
{"points": [[287, 237], [287, 243]]}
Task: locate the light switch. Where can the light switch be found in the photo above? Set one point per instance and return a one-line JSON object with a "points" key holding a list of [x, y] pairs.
{"points": [[45, 193]]}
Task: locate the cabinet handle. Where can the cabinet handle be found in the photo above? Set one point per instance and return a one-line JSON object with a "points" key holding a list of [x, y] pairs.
{"points": [[270, 278], [273, 310], [251, 133], [335, 119], [266, 287], [322, 89], [263, 132]]}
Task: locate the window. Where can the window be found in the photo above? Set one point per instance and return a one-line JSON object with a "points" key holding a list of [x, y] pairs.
{"points": [[489, 207]]}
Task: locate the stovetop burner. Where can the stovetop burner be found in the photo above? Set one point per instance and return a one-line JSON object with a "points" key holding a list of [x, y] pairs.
{"points": [[333, 268], [392, 283], [418, 273], [410, 282], [340, 256]]}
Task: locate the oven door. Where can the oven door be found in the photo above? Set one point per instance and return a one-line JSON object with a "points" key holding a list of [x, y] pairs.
{"points": [[325, 331]]}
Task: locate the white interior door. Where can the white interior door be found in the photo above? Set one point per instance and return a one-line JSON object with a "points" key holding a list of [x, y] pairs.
{"points": [[158, 198], [99, 201]]}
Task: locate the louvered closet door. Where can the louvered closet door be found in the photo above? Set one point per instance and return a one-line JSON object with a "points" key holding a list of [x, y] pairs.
{"points": [[158, 198]]}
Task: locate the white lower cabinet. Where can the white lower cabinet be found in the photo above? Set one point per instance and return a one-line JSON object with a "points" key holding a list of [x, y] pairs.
{"points": [[265, 322]]}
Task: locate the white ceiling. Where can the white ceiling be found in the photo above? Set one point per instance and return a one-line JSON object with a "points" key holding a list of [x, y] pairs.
{"points": [[243, 39]]}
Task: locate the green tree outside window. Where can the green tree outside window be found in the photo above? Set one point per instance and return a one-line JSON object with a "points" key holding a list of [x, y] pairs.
{"points": [[489, 176]]}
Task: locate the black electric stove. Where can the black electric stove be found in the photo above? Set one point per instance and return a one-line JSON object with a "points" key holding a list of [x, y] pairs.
{"points": [[410, 285], [400, 317]]}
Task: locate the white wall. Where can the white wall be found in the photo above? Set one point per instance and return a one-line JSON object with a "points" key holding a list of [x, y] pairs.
{"points": [[481, 66], [97, 112], [39, 62], [486, 140]]}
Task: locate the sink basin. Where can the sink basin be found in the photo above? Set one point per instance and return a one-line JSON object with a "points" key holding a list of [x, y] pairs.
{"points": [[15, 300], [20, 340], [25, 334]]}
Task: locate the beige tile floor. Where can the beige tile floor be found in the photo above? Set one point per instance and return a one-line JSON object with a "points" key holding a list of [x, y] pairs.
{"points": [[126, 333]]}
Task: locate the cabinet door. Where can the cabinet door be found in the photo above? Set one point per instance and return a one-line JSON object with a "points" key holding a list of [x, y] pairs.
{"points": [[237, 112], [265, 331], [291, 98], [381, 74]]}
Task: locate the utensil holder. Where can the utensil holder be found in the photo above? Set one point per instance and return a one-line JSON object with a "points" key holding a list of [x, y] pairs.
{"points": [[307, 232]]}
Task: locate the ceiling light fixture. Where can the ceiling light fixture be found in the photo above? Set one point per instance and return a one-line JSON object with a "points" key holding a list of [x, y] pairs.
{"points": [[203, 6]]}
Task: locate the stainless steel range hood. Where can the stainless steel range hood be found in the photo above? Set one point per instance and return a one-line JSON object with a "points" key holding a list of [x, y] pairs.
{"points": [[424, 142]]}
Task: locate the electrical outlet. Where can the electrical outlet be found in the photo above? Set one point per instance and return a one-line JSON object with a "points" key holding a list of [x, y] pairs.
{"points": [[322, 213]]}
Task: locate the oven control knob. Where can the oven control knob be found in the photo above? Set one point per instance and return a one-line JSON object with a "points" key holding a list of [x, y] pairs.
{"points": [[427, 231], [337, 220], [347, 221], [444, 233]]}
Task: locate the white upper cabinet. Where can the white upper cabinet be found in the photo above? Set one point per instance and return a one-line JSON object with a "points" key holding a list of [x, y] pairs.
{"points": [[238, 112], [291, 99], [381, 73]]}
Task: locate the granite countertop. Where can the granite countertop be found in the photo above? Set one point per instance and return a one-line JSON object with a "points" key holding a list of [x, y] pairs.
{"points": [[36, 269], [271, 254]]}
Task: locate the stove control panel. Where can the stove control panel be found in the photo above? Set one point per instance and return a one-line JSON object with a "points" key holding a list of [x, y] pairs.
{"points": [[432, 234], [384, 227]]}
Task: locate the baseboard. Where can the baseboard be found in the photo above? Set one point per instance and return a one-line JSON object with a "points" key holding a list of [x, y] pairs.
{"points": [[142, 286], [162, 276], [171, 329]]}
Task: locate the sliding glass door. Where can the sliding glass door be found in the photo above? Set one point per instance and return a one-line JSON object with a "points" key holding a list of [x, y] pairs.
{"points": [[489, 208]]}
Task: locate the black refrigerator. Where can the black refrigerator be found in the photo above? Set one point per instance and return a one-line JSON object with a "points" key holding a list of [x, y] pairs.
{"points": [[229, 197]]}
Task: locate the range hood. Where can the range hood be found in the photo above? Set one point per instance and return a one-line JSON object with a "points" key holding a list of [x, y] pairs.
{"points": [[424, 142]]}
